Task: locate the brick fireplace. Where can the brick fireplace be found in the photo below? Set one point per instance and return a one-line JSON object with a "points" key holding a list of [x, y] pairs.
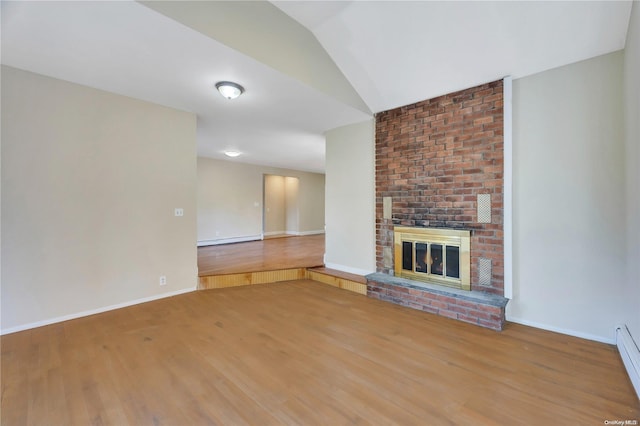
{"points": [[439, 164]]}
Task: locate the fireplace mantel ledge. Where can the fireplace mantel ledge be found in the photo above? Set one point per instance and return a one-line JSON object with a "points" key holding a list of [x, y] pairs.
{"points": [[471, 296]]}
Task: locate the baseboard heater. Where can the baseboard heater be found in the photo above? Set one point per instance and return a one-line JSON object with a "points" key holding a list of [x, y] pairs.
{"points": [[630, 355]]}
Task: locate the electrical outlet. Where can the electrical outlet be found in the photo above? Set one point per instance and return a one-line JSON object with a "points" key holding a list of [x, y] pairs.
{"points": [[179, 212], [163, 280]]}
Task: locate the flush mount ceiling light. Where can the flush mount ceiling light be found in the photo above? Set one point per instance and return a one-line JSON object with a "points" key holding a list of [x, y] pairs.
{"points": [[229, 90], [232, 153]]}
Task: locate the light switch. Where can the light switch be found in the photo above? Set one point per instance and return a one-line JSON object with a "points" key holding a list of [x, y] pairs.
{"points": [[179, 212]]}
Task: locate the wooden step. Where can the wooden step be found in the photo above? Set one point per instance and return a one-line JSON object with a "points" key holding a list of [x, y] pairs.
{"points": [[340, 279], [250, 278]]}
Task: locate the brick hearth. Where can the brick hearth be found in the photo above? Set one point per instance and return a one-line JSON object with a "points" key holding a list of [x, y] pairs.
{"points": [[475, 307]]}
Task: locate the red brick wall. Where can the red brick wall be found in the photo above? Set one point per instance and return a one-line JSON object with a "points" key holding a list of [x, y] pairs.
{"points": [[484, 315], [433, 158]]}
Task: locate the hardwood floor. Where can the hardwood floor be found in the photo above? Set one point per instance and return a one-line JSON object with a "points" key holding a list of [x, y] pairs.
{"points": [[303, 353], [266, 255]]}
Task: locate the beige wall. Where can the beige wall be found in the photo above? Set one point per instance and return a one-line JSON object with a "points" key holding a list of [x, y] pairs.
{"points": [[292, 207], [230, 197], [569, 198], [281, 207], [90, 181], [632, 155], [275, 210], [350, 211]]}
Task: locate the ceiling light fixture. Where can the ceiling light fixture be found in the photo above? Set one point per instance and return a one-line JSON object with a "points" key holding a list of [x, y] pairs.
{"points": [[229, 89], [232, 153]]}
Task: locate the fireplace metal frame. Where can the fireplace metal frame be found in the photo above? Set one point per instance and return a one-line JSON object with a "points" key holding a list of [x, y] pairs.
{"points": [[445, 237]]}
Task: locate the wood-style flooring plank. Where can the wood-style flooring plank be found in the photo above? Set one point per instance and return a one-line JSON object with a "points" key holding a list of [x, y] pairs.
{"points": [[267, 255], [303, 353]]}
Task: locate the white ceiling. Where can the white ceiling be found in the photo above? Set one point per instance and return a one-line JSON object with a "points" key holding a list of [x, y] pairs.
{"points": [[396, 53], [129, 49], [393, 53]]}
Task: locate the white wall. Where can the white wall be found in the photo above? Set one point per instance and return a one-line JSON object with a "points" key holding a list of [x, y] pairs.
{"points": [[90, 181], [631, 83], [350, 208], [569, 198], [230, 200]]}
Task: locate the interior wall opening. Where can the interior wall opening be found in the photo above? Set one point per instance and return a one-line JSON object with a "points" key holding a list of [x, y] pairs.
{"points": [[280, 214]]}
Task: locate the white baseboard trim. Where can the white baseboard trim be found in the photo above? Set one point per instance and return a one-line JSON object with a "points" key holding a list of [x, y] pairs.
{"points": [[203, 243], [268, 234], [316, 232], [630, 355], [562, 330], [94, 311], [348, 269]]}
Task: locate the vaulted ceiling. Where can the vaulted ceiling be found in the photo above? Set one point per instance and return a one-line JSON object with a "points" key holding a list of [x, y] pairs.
{"points": [[307, 66]]}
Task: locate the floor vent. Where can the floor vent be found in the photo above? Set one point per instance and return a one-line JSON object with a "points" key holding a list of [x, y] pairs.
{"points": [[630, 355]]}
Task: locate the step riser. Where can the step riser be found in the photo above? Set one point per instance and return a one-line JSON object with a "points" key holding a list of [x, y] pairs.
{"points": [[264, 277]]}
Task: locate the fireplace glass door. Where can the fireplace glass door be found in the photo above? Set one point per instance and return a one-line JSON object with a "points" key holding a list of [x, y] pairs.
{"points": [[431, 259], [439, 256]]}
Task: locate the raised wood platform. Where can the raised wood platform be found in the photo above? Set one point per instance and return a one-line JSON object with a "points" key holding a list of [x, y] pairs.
{"points": [[274, 254], [343, 280], [268, 261]]}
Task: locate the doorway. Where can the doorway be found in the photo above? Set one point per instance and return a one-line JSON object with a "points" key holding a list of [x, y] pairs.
{"points": [[280, 213]]}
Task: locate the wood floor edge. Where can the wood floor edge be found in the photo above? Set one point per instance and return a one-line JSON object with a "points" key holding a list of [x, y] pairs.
{"points": [[264, 277]]}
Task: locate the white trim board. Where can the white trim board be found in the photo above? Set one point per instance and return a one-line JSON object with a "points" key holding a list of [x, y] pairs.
{"points": [[301, 233], [230, 240], [566, 331], [507, 212], [94, 311], [268, 234]]}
